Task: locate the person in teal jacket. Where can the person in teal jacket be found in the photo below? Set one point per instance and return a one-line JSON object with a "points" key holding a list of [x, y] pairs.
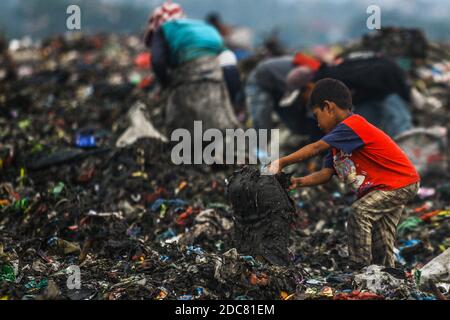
{"points": [[184, 60]]}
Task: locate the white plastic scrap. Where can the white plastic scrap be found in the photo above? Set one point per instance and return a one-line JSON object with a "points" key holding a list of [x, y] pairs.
{"points": [[140, 128], [426, 147], [437, 270], [117, 215], [376, 281]]}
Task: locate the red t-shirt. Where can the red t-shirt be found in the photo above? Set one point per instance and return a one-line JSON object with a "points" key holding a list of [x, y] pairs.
{"points": [[367, 158]]}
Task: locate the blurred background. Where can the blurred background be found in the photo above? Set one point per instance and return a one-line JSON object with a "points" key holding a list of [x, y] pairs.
{"points": [[300, 23]]}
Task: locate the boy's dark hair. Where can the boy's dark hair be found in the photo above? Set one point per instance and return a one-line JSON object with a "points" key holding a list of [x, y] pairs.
{"points": [[332, 90]]}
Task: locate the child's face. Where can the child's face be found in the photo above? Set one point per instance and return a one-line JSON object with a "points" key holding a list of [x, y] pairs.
{"points": [[326, 117]]}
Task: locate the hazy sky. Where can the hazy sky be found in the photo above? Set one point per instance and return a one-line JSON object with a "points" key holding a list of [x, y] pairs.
{"points": [[300, 22]]}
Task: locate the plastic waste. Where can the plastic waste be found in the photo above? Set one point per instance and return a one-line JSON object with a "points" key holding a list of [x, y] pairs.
{"points": [[7, 273], [411, 223], [437, 270], [358, 295], [139, 128], [427, 148], [85, 141], [143, 60], [58, 189], [156, 206], [375, 280], [33, 284], [64, 246]]}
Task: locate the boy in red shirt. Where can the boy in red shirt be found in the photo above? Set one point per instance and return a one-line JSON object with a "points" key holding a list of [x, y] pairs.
{"points": [[370, 163]]}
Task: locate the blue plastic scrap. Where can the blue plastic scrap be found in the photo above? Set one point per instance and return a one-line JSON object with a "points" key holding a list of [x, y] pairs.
{"points": [[85, 141], [195, 249], [172, 202]]}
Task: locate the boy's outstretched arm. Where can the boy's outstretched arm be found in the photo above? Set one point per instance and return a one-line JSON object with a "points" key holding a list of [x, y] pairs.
{"points": [[303, 154], [314, 179]]}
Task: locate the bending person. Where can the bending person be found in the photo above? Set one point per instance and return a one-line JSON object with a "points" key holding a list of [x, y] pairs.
{"points": [[184, 59]]}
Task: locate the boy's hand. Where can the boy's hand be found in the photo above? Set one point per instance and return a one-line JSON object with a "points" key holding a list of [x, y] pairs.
{"points": [[295, 183], [274, 167]]}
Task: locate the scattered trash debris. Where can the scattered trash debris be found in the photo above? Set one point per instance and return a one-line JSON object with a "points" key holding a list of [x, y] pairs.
{"points": [[375, 280], [139, 128], [81, 186], [437, 271], [357, 295], [427, 149]]}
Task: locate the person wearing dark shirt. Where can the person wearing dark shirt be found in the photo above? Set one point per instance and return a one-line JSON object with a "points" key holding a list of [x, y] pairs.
{"points": [[379, 90], [267, 90]]}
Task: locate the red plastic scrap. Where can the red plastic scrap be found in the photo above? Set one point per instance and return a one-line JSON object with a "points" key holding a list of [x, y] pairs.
{"points": [[260, 279], [152, 197], [16, 196], [86, 176], [142, 61], [357, 295], [422, 208], [182, 218], [41, 209], [44, 257], [146, 82], [429, 215], [139, 257], [84, 221]]}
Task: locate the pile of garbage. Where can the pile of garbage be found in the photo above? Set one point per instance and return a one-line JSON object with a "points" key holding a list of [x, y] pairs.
{"points": [[91, 206]]}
